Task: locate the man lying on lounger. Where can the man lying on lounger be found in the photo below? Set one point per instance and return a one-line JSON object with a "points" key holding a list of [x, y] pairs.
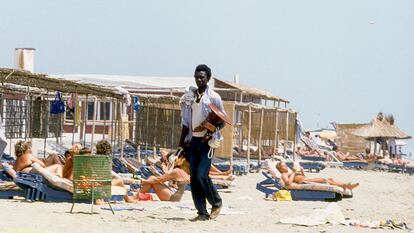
{"points": [[296, 175]]}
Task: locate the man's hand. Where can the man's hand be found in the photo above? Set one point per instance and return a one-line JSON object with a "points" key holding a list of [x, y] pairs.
{"points": [[207, 137]]}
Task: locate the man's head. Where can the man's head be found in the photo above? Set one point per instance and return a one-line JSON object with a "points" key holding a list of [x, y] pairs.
{"points": [[22, 147], [202, 75]]}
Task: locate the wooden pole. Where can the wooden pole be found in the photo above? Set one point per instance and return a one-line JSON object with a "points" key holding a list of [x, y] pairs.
{"points": [[275, 143], [46, 124], [113, 105], [260, 135], [95, 104], [85, 123], [294, 139], [104, 113], [248, 134], [139, 153], [121, 121], [241, 130], [287, 130], [75, 117], [173, 127], [27, 128]]}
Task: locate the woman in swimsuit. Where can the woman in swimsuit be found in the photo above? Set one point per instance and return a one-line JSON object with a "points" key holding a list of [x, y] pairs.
{"points": [[25, 159], [179, 175], [296, 175]]}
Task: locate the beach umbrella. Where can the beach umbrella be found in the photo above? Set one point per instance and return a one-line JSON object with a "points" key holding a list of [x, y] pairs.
{"points": [[380, 127], [328, 134]]}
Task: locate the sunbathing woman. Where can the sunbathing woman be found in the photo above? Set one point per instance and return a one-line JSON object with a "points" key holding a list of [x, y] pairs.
{"points": [[214, 172], [179, 174], [24, 159], [296, 175]]}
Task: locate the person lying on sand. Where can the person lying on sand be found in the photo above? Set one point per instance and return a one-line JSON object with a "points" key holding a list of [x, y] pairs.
{"points": [[296, 175], [25, 158]]}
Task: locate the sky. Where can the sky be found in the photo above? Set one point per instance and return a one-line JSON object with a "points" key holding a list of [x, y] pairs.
{"points": [[336, 61]]}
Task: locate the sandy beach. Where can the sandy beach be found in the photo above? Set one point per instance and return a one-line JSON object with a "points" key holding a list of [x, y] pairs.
{"points": [[381, 196]]}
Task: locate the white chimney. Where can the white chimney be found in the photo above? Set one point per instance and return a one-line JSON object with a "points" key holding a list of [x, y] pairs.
{"points": [[236, 78], [24, 59]]}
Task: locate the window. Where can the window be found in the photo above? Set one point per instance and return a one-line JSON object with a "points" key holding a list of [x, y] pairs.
{"points": [[104, 111], [91, 109]]}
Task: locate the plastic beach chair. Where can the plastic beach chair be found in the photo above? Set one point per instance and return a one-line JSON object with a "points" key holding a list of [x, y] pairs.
{"points": [[270, 185]]}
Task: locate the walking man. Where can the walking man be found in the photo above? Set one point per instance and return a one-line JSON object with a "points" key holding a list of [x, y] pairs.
{"points": [[194, 109]]}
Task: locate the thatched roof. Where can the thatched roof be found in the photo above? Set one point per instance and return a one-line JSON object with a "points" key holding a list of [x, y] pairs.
{"points": [[381, 128], [252, 91], [46, 82]]}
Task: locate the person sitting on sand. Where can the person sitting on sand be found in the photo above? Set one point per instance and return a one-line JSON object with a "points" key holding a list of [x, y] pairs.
{"points": [[296, 175], [179, 174], [25, 158]]}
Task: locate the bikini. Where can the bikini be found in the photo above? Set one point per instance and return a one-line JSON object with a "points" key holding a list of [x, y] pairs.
{"points": [[177, 194]]}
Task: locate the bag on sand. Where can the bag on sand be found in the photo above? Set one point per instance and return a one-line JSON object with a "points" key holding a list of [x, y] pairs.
{"points": [[282, 195]]}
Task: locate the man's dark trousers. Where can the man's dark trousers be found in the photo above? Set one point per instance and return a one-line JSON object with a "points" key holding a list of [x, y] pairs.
{"points": [[202, 187]]}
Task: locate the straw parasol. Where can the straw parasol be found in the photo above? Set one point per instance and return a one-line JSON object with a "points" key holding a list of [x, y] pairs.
{"points": [[381, 127]]}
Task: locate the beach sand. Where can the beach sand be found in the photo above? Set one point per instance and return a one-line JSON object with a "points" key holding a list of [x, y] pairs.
{"points": [[381, 196]]}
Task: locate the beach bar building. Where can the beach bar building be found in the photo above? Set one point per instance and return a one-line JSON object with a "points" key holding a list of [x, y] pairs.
{"points": [[157, 120], [150, 119]]}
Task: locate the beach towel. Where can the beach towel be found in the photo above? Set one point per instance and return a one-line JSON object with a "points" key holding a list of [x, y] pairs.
{"points": [[122, 208], [331, 214]]}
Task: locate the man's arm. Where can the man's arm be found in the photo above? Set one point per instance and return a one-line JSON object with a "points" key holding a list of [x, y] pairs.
{"points": [[184, 133]]}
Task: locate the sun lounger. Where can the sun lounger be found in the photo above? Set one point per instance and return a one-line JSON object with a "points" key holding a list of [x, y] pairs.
{"points": [[313, 158], [303, 192], [36, 188], [8, 190], [409, 170], [239, 167], [355, 164], [309, 165], [399, 168]]}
